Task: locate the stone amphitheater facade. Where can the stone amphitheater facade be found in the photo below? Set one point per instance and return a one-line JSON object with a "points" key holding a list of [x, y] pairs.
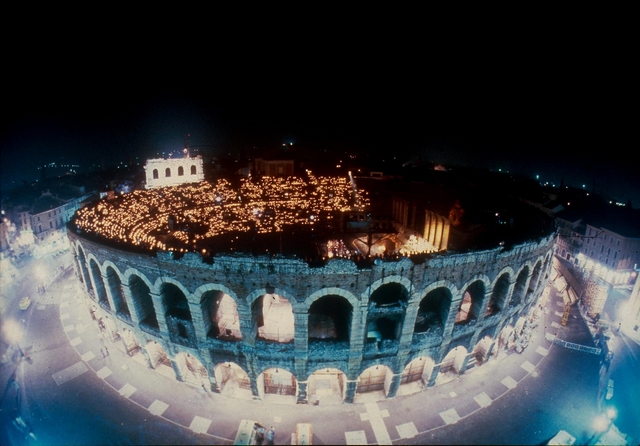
{"points": [[385, 327]]}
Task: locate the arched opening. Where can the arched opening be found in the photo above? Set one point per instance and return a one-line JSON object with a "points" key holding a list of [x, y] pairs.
{"points": [[155, 174], [533, 283], [327, 386], [470, 304], [192, 371], [84, 273], [167, 172], [220, 316], [451, 365], [193, 170], [376, 378], [416, 375], [233, 380], [180, 171], [159, 359], [141, 295], [103, 300], [330, 319], [481, 350], [273, 318], [117, 293], [519, 290], [433, 311], [499, 295], [178, 315], [279, 383], [387, 308], [506, 339], [131, 344]]}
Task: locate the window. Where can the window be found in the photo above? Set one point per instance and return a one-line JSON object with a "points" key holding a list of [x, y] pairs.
{"points": [[180, 171], [167, 172], [155, 174], [193, 170], [615, 255], [50, 224]]}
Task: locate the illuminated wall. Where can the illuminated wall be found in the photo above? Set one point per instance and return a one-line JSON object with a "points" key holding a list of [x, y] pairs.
{"points": [[161, 172], [179, 298]]}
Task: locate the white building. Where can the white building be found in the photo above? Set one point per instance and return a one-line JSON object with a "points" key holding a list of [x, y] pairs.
{"points": [[162, 172], [610, 255]]}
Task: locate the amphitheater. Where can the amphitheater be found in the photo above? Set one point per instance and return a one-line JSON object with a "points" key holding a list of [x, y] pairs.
{"points": [[269, 324]]}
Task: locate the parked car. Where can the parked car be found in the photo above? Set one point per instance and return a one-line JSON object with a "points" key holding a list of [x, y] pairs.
{"points": [[25, 302], [304, 434], [247, 432]]}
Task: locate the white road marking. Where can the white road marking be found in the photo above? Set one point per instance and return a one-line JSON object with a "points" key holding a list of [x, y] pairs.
{"points": [[509, 382], [158, 407], [483, 399], [450, 416], [200, 425], [70, 372]]}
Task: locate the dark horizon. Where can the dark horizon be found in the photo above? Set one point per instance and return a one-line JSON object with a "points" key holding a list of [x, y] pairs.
{"points": [[566, 137]]}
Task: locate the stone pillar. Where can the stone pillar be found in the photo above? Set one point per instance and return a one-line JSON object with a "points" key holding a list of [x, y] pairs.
{"points": [[301, 333], [465, 362], [128, 298], [434, 376], [145, 352], [395, 385], [302, 392], [350, 393], [158, 308], [176, 370], [198, 322]]}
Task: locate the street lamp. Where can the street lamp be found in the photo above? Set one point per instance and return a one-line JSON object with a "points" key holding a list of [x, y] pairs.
{"points": [[603, 423], [13, 334]]}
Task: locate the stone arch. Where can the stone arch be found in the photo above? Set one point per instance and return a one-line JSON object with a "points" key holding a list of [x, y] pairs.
{"points": [[140, 288], [406, 283], [499, 293], [416, 374], [98, 283], [192, 371], [433, 310], [452, 362], [327, 386], [114, 283], [177, 313], [472, 300], [159, 358], [272, 315], [330, 318], [533, 282], [388, 304], [84, 271], [375, 378], [232, 380], [220, 315], [277, 381], [519, 289]]}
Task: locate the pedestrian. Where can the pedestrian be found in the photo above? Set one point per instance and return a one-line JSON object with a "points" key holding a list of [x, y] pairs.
{"points": [[106, 350], [271, 434], [102, 351], [259, 433]]}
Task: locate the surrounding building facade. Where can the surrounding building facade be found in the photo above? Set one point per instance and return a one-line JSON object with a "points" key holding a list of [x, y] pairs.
{"points": [[251, 326], [609, 255]]}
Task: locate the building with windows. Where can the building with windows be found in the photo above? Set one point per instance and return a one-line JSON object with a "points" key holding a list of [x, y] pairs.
{"points": [[611, 255], [161, 172]]}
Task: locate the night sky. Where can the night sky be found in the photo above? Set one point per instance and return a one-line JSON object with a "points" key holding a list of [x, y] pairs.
{"points": [[558, 119]]}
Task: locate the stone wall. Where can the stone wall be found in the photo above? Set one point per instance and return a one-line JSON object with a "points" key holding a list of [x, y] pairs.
{"points": [[246, 279]]}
